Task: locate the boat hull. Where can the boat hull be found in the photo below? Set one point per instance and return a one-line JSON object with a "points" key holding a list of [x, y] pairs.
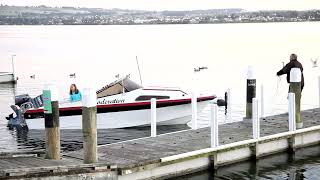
{"points": [[169, 115]]}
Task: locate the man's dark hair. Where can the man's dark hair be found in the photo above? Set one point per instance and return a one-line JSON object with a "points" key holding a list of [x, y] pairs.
{"points": [[293, 57]]}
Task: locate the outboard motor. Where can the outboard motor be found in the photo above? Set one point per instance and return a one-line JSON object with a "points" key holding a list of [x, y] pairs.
{"points": [[22, 103], [18, 121], [20, 99]]}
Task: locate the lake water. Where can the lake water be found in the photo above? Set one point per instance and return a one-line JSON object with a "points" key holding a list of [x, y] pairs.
{"points": [[167, 55], [304, 164]]}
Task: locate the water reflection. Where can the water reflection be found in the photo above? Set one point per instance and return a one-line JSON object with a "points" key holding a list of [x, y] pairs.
{"points": [[71, 139], [7, 93], [304, 164]]}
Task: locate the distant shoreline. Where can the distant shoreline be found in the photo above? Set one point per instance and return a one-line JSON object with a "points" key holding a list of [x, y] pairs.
{"points": [[153, 24], [42, 15]]}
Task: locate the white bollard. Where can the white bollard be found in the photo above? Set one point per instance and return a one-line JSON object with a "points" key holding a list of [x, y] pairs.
{"points": [[255, 118], [229, 109], [319, 89], [292, 112], [214, 126], [89, 97], [194, 111], [153, 117], [262, 102]]}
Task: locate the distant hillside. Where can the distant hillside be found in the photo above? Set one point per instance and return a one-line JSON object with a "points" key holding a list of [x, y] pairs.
{"points": [[42, 15]]}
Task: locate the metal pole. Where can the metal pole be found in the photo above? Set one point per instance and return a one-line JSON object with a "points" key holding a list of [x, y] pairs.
{"points": [[255, 118], [51, 117], [262, 101], [12, 63], [139, 70], [194, 111], [292, 112], [89, 125], [214, 126], [153, 117]]}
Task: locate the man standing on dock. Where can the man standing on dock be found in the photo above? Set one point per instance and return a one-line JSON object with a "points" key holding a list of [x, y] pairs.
{"points": [[294, 63]]}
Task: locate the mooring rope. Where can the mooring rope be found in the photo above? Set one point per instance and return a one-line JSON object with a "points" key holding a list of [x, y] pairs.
{"points": [[277, 89], [276, 95]]}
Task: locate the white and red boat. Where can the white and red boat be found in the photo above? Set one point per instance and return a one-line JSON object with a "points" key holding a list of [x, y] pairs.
{"points": [[125, 103]]}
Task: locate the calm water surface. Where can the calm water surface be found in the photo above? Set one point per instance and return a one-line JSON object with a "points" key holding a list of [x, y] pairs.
{"points": [[167, 55], [305, 164]]}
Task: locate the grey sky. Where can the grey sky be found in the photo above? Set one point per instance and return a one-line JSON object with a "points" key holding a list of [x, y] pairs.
{"points": [[176, 4]]}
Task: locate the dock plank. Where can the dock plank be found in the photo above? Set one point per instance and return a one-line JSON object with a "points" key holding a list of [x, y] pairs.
{"points": [[150, 150]]}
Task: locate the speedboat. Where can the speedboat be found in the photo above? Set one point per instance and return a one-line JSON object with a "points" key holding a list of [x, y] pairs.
{"points": [[122, 104]]}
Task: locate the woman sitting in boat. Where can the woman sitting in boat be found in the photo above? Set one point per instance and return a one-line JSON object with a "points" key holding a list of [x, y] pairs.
{"points": [[75, 94]]}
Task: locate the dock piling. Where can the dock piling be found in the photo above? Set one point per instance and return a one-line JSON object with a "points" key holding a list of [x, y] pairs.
{"points": [[51, 121], [153, 117], [12, 64], [262, 101], [214, 126], [194, 122], [255, 118], [251, 91], [292, 112], [89, 125], [226, 103], [295, 87]]}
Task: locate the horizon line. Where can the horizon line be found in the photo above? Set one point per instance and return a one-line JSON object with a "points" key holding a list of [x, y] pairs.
{"points": [[133, 9]]}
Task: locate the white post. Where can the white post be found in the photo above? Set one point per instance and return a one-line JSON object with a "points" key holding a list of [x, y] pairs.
{"points": [[214, 126], [319, 89], [89, 98], [12, 63], [153, 117], [255, 118], [292, 112], [229, 108], [194, 111], [262, 101]]}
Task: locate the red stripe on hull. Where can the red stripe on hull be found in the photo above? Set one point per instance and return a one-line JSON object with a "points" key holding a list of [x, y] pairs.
{"points": [[105, 106]]}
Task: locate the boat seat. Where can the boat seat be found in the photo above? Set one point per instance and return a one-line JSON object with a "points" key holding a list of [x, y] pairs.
{"points": [[34, 103], [37, 101]]}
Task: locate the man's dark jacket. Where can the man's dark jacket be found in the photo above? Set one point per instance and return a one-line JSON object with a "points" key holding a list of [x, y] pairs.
{"points": [[287, 68]]}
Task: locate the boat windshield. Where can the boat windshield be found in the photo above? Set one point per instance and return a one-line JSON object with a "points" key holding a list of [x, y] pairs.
{"points": [[117, 87]]}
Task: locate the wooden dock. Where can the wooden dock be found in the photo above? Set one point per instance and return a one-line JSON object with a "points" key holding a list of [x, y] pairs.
{"points": [[171, 154]]}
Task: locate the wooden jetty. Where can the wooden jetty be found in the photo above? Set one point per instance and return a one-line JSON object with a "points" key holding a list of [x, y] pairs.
{"points": [[169, 155], [7, 77]]}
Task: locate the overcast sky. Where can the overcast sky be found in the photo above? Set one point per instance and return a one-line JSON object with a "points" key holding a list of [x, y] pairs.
{"points": [[176, 4]]}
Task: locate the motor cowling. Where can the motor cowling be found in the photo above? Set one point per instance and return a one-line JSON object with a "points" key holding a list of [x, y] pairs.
{"points": [[23, 98]]}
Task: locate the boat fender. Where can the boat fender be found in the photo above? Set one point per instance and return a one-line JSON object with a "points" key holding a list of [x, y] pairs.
{"points": [[221, 102]]}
